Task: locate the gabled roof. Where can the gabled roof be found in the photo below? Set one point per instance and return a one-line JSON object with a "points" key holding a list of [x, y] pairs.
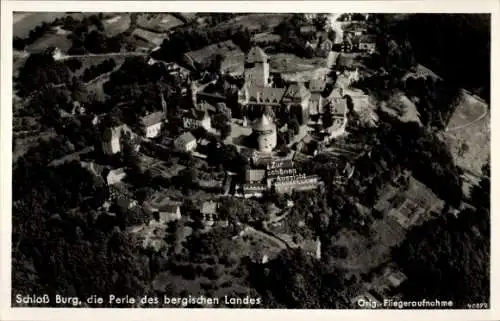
{"points": [[256, 54], [185, 138], [169, 208], [255, 174], [347, 61], [366, 39], [152, 119], [265, 94], [296, 91], [317, 85]]}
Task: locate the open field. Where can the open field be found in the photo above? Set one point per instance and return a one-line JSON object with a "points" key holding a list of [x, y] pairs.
{"points": [[22, 145], [292, 66], [117, 24], [88, 61], [254, 21], [370, 250], [158, 22], [468, 133], [50, 39], [153, 38], [25, 21], [233, 56]]}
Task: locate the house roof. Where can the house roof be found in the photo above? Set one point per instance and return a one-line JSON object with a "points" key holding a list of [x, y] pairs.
{"points": [[264, 124], [265, 94], [255, 174], [297, 91], [346, 61], [266, 37], [256, 54], [209, 207], [317, 85], [169, 208], [342, 81], [366, 39], [339, 106], [152, 119], [117, 171], [185, 138]]}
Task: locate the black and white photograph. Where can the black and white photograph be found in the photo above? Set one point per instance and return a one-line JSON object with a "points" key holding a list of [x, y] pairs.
{"points": [[252, 160]]}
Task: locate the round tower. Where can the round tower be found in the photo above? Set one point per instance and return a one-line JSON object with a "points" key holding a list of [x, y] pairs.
{"points": [[265, 130]]}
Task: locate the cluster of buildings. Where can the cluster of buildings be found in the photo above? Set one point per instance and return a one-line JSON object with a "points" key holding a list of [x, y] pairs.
{"points": [[280, 176]]}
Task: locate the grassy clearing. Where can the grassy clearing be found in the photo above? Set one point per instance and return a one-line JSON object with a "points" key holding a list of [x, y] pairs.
{"points": [[51, 39], [290, 63], [263, 21], [24, 22], [22, 145], [153, 38], [158, 22], [468, 134], [116, 25]]}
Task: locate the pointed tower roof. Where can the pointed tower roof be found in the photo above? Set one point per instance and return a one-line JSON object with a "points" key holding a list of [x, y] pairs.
{"points": [[256, 54], [264, 123]]}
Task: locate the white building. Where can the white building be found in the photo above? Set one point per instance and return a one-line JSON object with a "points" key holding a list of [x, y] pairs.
{"points": [[152, 124], [185, 142], [111, 140], [115, 176]]}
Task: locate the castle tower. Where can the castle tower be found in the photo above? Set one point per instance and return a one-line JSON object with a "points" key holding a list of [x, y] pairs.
{"points": [[257, 68], [193, 89], [265, 130]]}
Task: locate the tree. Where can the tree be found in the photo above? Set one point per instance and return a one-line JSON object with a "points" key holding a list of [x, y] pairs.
{"points": [[445, 259], [225, 131], [294, 125], [320, 21]]}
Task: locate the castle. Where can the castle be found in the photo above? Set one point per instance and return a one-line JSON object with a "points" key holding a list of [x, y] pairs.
{"points": [[265, 130]]}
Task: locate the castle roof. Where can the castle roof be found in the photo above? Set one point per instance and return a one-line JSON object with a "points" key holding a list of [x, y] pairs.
{"points": [[256, 54], [297, 91], [266, 94], [264, 124]]}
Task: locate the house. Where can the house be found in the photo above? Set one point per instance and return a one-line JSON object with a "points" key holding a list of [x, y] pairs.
{"points": [[254, 175], [257, 93], [112, 138], [265, 39], [152, 123], [366, 43], [338, 114], [185, 142], [324, 48], [254, 190], [302, 182], [169, 213], [312, 247], [196, 119], [209, 212], [395, 278], [115, 176]]}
